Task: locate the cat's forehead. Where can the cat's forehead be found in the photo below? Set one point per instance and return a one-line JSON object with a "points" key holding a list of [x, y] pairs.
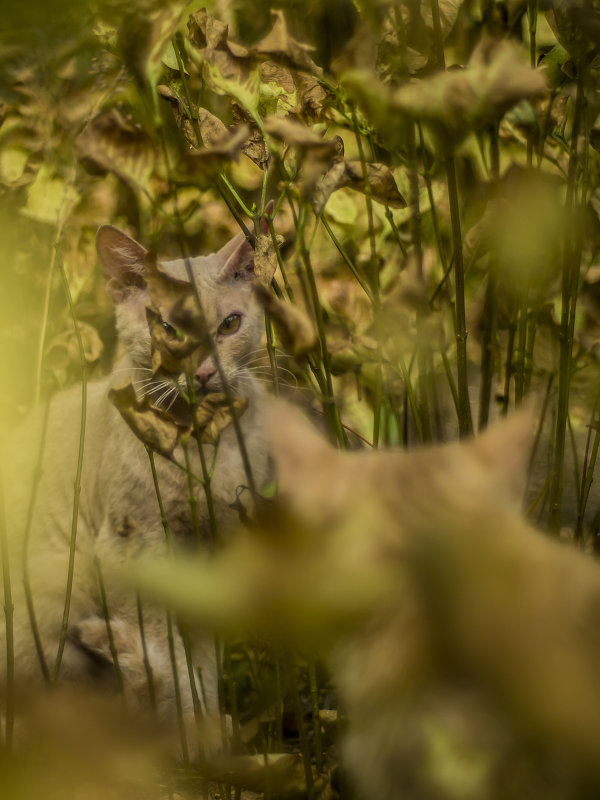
{"points": [[204, 270]]}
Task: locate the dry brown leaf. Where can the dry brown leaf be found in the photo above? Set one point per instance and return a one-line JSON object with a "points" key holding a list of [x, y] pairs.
{"points": [[381, 182], [152, 425], [456, 102], [265, 258], [280, 45], [212, 159], [118, 146], [212, 130], [214, 413], [144, 35], [294, 329]]}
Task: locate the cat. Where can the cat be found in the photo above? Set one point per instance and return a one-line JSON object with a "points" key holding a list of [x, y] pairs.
{"points": [[119, 517], [464, 643]]}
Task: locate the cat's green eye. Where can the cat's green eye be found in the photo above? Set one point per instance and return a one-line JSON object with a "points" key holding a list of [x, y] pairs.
{"points": [[230, 324]]}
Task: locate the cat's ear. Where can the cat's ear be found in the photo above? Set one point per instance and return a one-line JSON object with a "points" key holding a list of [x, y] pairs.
{"points": [[237, 256], [237, 259], [123, 262], [504, 449]]}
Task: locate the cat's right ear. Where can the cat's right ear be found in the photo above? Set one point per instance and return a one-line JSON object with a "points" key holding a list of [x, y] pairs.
{"points": [[123, 262]]}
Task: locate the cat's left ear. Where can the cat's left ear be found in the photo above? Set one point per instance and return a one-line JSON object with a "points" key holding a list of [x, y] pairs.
{"points": [[123, 262]]}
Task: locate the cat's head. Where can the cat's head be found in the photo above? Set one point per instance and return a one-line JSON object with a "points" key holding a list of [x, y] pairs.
{"points": [[226, 326]]}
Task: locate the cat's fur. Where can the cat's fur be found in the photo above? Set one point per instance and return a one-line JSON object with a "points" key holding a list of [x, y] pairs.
{"points": [[119, 515]]}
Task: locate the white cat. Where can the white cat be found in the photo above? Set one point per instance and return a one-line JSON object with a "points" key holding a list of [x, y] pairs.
{"points": [[119, 517]]}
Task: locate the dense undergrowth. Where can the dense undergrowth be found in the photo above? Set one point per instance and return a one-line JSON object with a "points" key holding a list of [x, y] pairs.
{"points": [[434, 170]]}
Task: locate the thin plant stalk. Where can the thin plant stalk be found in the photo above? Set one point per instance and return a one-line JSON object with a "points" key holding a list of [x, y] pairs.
{"points": [[465, 422], [508, 365], [302, 732], [587, 478], [37, 476], [353, 269], [374, 279], [109, 632], [314, 702], [271, 353], [145, 659], [79, 468], [488, 341], [169, 621], [567, 322], [328, 399], [490, 309], [521, 348], [9, 626]]}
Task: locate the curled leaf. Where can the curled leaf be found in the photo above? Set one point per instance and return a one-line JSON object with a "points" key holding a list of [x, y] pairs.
{"points": [[212, 130], [294, 328], [153, 426], [144, 35], [265, 258], [111, 143], [214, 413], [381, 183], [281, 46], [456, 102]]}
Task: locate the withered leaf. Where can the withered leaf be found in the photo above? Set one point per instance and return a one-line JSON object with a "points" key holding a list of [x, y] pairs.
{"points": [[172, 301], [265, 258], [255, 147], [281, 46], [144, 35], [152, 425], [456, 102], [225, 65], [294, 329], [214, 413], [381, 182], [212, 130], [118, 146], [173, 351], [298, 135], [212, 159], [206, 31], [576, 25]]}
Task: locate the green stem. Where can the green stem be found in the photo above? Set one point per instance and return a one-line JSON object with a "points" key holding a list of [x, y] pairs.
{"points": [[314, 701], [37, 476], [109, 633], [79, 468], [9, 626], [465, 423], [146, 660], [569, 304], [328, 399], [169, 621]]}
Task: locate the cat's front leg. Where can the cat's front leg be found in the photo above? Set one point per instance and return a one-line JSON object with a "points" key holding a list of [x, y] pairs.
{"points": [[152, 671]]}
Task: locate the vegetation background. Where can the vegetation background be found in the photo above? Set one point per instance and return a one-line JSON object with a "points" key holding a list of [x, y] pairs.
{"points": [[435, 172]]}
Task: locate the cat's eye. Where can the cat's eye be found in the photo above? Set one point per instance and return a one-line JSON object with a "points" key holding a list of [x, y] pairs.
{"points": [[230, 324], [171, 331]]}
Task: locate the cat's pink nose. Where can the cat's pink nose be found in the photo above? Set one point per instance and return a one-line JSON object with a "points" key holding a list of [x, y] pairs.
{"points": [[204, 373]]}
